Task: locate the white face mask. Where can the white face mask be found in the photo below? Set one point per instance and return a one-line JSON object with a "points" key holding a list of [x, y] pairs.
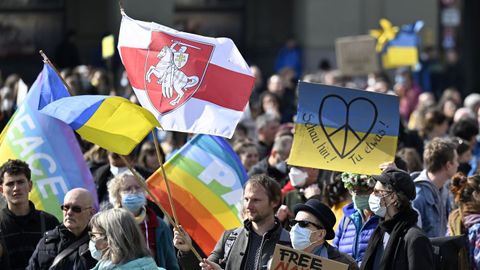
{"points": [[375, 205], [298, 178], [117, 170], [300, 237]]}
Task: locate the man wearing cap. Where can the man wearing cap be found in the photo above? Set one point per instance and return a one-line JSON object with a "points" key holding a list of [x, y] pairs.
{"points": [[312, 226], [397, 243], [441, 163]]}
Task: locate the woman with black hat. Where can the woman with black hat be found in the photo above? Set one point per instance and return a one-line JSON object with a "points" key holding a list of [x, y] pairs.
{"points": [[312, 226], [397, 243]]}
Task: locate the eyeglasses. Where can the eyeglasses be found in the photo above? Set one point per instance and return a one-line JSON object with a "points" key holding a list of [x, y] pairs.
{"points": [[131, 190], [93, 236], [381, 192], [305, 223], [75, 208]]}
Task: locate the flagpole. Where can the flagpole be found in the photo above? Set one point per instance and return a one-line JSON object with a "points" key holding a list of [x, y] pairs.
{"points": [[48, 62], [167, 183], [155, 199]]}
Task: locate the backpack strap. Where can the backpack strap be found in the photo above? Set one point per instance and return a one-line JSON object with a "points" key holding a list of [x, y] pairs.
{"points": [[68, 250], [232, 237]]}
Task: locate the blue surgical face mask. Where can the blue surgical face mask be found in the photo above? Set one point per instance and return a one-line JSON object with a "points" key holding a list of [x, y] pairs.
{"points": [[133, 201], [94, 252], [360, 202], [375, 205], [300, 237]]}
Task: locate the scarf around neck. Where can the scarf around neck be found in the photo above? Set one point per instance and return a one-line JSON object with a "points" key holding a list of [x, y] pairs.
{"points": [[396, 227]]}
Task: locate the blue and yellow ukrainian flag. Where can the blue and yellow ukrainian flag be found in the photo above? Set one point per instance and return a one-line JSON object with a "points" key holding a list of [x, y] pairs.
{"points": [[113, 123], [398, 47], [344, 129]]}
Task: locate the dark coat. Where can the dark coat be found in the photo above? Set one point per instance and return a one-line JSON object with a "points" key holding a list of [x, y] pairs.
{"points": [[19, 235], [53, 243], [413, 252]]}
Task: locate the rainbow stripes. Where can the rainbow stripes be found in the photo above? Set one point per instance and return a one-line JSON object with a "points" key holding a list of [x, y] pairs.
{"points": [[113, 123], [206, 181], [47, 145]]}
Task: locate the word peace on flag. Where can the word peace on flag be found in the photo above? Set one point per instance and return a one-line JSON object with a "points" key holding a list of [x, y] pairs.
{"points": [[344, 129]]}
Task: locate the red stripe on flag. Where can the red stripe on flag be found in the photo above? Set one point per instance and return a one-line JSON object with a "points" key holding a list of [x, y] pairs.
{"points": [[200, 224], [223, 87]]}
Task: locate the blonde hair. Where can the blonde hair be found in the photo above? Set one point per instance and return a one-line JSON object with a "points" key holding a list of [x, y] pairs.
{"points": [[124, 238], [114, 186]]}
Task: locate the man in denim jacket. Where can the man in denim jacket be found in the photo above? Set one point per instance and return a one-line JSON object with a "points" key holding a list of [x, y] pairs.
{"points": [[440, 158]]}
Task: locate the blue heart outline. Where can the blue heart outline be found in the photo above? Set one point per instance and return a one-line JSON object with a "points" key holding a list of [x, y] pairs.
{"points": [[346, 126]]}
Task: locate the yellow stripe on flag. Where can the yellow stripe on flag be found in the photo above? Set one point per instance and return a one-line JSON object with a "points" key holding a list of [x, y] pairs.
{"points": [[311, 148], [205, 195], [400, 56]]}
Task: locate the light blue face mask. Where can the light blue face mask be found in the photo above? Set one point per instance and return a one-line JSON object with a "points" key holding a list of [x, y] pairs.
{"points": [[133, 201], [300, 237], [94, 252]]}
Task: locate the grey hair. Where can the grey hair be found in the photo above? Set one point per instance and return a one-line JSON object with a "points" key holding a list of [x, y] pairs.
{"points": [[471, 101], [114, 186], [124, 238], [264, 119], [283, 144]]}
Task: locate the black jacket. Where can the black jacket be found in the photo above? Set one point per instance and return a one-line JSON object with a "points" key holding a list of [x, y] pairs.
{"points": [[19, 235], [237, 248], [413, 252], [52, 243]]}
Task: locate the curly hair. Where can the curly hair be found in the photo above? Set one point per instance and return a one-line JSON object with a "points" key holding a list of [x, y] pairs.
{"points": [[15, 167], [114, 186]]}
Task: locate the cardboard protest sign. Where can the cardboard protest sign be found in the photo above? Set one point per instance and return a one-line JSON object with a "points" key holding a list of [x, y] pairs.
{"points": [[344, 129], [356, 55], [285, 258]]}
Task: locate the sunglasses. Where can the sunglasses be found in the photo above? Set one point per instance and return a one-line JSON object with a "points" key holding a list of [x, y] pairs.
{"points": [[75, 209], [304, 224]]}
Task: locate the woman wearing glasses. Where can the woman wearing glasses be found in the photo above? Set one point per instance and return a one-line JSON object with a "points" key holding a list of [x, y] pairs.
{"points": [[397, 243], [312, 226], [125, 192], [117, 242]]}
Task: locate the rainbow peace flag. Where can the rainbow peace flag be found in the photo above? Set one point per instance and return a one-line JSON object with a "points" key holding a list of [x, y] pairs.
{"points": [[206, 180], [342, 129], [47, 145]]}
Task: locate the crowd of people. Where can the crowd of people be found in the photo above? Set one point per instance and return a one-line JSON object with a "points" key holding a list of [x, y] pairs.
{"points": [[382, 221]]}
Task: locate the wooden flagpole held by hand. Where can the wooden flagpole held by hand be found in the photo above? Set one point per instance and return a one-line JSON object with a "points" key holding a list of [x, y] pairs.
{"points": [[170, 200], [157, 202]]}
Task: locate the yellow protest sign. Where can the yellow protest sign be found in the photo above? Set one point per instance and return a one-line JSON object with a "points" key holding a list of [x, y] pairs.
{"points": [[108, 46], [285, 258], [342, 129]]}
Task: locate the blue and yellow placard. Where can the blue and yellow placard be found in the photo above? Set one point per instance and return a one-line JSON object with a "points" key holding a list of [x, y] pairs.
{"points": [[344, 129]]}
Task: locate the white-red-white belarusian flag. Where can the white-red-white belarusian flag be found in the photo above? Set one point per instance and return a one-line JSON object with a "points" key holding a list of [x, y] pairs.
{"points": [[191, 83]]}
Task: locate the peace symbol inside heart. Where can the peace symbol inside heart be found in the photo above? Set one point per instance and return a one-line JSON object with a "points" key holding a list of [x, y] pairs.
{"points": [[346, 125]]}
